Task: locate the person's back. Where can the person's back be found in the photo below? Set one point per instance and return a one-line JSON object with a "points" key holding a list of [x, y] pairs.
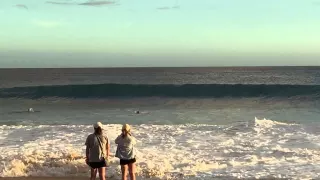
{"points": [[126, 148], [97, 152], [126, 152]]}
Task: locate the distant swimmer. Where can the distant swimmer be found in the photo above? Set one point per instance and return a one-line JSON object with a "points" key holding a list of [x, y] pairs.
{"points": [[141, 112], [30, 110]]}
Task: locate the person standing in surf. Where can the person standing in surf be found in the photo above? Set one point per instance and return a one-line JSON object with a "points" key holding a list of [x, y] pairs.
{"points": [[97, 152], [126, 152]]}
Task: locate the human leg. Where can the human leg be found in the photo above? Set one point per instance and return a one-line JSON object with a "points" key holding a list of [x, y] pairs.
{"points": [[102, 173], [93, 173], [132, 171], [124, 170]]}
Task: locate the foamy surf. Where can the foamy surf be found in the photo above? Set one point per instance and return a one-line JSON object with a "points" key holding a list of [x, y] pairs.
{"points": [[258, 149], [263, 125]]}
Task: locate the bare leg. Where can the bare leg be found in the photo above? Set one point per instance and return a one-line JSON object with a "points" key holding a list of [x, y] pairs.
{"points": [[102, 173], [124, 169], [93, 174], [132, 171]]}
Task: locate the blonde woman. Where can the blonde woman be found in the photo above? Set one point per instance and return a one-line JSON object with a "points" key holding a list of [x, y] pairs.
{"points": [[97, 152], [126, 152]]}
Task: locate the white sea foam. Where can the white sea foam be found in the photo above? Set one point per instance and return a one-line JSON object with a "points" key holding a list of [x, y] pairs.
{"points": [[267, 149]]}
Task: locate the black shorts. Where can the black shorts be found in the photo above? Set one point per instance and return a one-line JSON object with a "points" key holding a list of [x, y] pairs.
{"points": [[96, 165], [126, 162]]}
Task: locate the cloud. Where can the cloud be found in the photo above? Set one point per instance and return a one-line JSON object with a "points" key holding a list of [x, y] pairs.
{"points": [[168, 7], [164, 8], [60, 3], [21, 6], [175, 6], [47, 23], [88, 3], [97, 3]]}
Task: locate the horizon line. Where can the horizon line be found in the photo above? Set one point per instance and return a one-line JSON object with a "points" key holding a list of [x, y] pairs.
{"points": [[159, 67]]}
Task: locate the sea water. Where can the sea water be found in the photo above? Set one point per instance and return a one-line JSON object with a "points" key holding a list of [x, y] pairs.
{"points": [[194, 123]]}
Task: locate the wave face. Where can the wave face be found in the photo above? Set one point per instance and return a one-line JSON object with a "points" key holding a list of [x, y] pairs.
{"points": [[150, 90]]}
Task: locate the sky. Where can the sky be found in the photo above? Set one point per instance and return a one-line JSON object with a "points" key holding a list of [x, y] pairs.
{"points": [[129, 33]]}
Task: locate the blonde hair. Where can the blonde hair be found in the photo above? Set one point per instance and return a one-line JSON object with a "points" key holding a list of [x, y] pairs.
{"points": [[126, 128]]}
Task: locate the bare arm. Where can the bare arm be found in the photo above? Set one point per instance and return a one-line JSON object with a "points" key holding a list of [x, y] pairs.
{"points": [[108, 147]]}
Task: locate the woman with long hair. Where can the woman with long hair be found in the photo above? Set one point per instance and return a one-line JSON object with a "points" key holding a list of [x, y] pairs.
{"points": [[97, 152], [126, 152]]}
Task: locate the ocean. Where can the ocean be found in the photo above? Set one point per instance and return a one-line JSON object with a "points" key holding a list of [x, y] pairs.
{"points": [[195, 123]]}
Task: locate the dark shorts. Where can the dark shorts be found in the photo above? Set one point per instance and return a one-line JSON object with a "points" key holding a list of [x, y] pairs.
{"points": [[126, 162], [96, 165]]}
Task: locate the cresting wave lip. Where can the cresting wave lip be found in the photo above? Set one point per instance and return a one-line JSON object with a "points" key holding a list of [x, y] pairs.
{"points": [[161, 90]]}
